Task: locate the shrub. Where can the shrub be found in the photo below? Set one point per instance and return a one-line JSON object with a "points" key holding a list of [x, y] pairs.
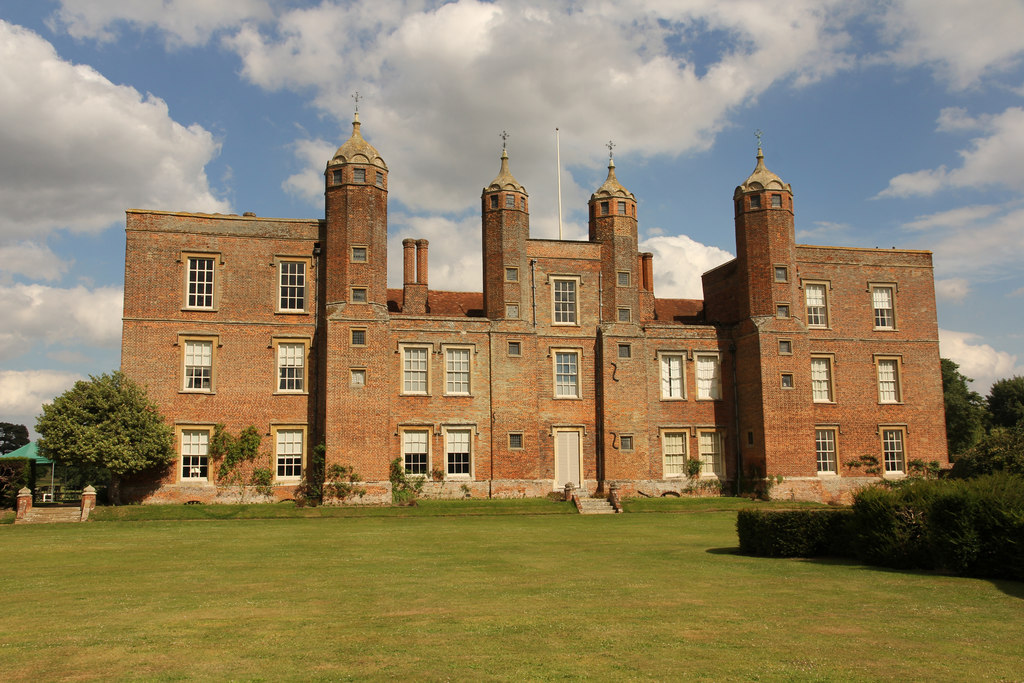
{"points": [[889, 525], [404, 489], [792, 533], [15, 474]]}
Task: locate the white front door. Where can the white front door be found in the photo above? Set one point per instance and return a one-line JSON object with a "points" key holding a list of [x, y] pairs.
{"points": [[567, 458]]}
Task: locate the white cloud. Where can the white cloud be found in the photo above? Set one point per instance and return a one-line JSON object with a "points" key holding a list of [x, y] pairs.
{"points": [[978, 361], [964, 41], [308, 183], [78, 149], [994, 160], [22, 393], [39, 315], [961, 217], [32, 260], [678, 264], [953, 289], [456, 261], [976, 241]]}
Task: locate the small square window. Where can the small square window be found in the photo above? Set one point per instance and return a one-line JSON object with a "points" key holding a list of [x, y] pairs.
{"points": [[782, 311], [755, 201], [515, 348], [776, 201], [359, 175], [781, 274], [785, 347], [623, 278], [626, 442], [625, 351], [604, 208], [625, 315], [359, 295], [787, 380], [511, 275], [512, 311], [515, 441], [494, 201], [358, 336], [380, 179], [357, 377], [358, 254]]}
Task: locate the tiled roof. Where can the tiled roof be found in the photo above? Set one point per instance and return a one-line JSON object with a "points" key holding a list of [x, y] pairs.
{"points": [[679, 310], [444, 304]]}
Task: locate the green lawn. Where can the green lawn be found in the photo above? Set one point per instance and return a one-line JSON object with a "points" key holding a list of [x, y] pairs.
{"points": [[437, 595]]}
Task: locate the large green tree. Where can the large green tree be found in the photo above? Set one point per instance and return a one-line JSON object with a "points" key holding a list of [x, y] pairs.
{"points": [[1006, 402], [12, 437], [108, 425], [965, 409]]}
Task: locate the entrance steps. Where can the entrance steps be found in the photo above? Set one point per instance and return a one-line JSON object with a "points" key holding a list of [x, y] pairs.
{"points": [[51, 515], [596, 506]]}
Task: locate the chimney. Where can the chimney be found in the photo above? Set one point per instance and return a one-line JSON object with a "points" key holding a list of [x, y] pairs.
{"points": [[645, 294], [408, 245], [421, 262], [648, 276]]}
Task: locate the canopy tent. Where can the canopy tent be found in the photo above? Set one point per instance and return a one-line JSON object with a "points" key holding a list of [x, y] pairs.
{"points": [[30, 451]]}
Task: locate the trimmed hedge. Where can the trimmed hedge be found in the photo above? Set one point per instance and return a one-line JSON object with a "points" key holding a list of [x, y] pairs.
{"points": [[792, 533]]}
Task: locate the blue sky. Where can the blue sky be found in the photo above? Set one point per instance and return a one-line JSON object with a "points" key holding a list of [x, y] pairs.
{"points": [[898, 123]]}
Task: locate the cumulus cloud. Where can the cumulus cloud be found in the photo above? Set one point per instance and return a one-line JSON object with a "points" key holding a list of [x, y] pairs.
{"points": [[678, 264], [456, 262], [22, 393], [979, 361], [953, 289], [78, 149], [991, 160], [980, 241], [32, 260], [964, 41], [40, 315], [308, 183]]}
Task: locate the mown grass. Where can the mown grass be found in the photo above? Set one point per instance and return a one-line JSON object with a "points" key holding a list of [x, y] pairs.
{"points": [[499, 597]]}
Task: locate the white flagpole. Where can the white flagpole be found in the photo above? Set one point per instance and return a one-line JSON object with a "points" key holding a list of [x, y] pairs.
{"points": [[558, 164]]}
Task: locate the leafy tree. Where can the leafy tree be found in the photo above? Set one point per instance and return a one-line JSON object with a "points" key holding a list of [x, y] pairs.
{"points": [[965, 409], [1001, 451], [1006, 402], [12, 437], [107, 425]]}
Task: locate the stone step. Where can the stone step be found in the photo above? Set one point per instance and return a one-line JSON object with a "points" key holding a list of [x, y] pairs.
{"points": [[51, 516], [596, 506]]}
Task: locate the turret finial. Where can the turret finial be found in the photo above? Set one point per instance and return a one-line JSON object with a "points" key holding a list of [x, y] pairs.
{"points": [[504, 139], [356, 97]]}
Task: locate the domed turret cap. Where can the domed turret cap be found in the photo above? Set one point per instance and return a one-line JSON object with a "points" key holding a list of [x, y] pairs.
{"points": [[504, 179], [761, 179], [612, 187], [356, 150]]}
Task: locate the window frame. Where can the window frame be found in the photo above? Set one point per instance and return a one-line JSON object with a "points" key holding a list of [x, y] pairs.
{"points": [[663, 359], [448, 372], [275, 432], [716, 385], [511, 274], [825, 312], [625, 445], [829, 361], [352, 374], [180, 431], [621, 281], [789, 350], [522, 441], [876, 286], [576, 281], [279, 264], [783, 311], [785, 273], [276, 344], [518, 350], [187, 258], [403, 350], [446, 432], [715, 465], [624, 351], [897, 381], [901, 430], [825, 458], [624, 314], [512, 310], [578, 385], [684, 433], [416, 429], [786, 381], [353, 299], [356, 173], [352, 337], [184, 340], [353, 253]]}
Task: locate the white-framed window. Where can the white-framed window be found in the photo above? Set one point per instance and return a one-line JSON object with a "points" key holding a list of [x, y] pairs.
{"points": [[625, 315], [884, 307], [825, 449], [289, 452], [291, 367], [567, 373], [359, 254], [199, 281], [415, 369], [458, 453], [195, 450], [511, 274], [622, 278], [198, 365], [416, 451], [673, 377], [894, 456], [291, 286], [709, 376], [709, 445], [564, 293], [821, 379], [889, 380], [673, 450], [457, 371], [816, 297]]}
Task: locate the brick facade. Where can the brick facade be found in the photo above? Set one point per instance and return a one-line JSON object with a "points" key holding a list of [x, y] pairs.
{"points": [[566, 368]]}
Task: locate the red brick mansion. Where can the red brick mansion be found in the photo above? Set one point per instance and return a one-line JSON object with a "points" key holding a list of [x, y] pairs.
{"points": [[799, 361]]}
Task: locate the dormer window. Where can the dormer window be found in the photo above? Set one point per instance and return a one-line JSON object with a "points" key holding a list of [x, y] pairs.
{"points": [[359, 175], [755, 201]]}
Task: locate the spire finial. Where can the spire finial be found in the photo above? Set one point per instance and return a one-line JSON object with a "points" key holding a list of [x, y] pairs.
{"points": [[610, 146], [759, 134], [356, 96], [504, 139]]}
